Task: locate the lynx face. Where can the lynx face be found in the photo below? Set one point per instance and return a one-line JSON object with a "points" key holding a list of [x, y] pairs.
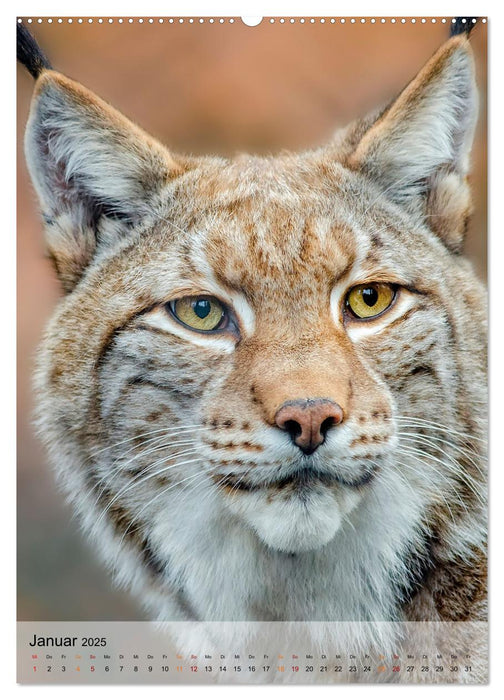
{"points": [[292, 419], [267, 356]]}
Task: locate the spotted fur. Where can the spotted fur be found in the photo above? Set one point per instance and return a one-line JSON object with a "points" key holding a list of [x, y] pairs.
{"points": [[164, 439]]}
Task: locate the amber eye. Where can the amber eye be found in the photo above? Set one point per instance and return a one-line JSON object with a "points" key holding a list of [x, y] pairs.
{"points": [[368, 300], [199, 313]]}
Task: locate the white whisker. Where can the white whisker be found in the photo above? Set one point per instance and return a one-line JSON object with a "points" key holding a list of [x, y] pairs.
{"points": [[122, 467], [165, 431], [137, 480]]}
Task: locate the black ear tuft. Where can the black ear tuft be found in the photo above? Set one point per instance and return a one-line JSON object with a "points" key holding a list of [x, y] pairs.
{"points": [[463, 25], [29, 52]]}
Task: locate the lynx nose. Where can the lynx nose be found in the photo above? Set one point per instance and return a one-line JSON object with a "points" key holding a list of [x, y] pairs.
{"points": [[308, 420]]}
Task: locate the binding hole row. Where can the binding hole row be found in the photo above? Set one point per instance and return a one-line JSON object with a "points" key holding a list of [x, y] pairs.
{"points": [[232, 20]]}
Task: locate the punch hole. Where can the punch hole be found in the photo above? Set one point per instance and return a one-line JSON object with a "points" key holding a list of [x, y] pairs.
{"points": [[251, 21]]}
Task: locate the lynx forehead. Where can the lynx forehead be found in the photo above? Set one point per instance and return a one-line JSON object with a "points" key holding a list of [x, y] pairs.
{"points": [[264, 389]]}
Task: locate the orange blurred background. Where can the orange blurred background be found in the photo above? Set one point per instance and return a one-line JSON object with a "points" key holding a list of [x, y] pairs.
{"points": [[199, 88]]}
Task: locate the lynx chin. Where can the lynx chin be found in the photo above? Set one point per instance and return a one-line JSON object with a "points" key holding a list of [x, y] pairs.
{"points": [[264, 388]]}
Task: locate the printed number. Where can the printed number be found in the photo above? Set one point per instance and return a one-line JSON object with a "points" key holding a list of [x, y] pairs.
{"points": [[338, 669], [424, 669], [237, 669], [165, 669], [252, 669], [265, 668], [454, 669], [107, 668], [323, 669], [49, 669], [309, 669], [366, 669], [94, 641], [63, 668], [295, 668], [222, 668], [467, 669], [149, 669], [352, 669], [208, 669], [194, 669], [439, 669]]}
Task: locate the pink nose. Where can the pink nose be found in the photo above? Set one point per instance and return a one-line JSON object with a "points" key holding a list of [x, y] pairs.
{"points": [[308, 420]]}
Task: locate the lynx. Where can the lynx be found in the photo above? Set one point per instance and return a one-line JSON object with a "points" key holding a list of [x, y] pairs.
{"points": [[264, 389]]}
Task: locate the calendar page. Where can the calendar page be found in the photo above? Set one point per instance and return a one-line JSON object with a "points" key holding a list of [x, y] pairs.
{"points": [[252, 350]]}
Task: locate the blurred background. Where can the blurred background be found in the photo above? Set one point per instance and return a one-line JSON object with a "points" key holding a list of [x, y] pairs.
{"points": [[199, 88]]}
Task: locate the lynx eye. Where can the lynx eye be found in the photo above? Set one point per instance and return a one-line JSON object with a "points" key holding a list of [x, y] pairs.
{"points": [[201, 313], [370, 300]]}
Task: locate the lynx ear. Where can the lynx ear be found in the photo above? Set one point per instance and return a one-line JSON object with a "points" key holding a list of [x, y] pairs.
{"points": [[95, 172], [418, 149]]}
